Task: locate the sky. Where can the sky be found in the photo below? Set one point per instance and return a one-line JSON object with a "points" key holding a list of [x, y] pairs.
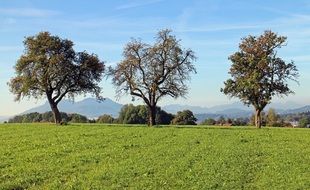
{"points": [[211, 28]]}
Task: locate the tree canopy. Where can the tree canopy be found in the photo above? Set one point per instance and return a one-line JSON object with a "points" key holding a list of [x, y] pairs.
{"points": [[51, 68], [185, 117], [131, 114], [151, 72], [258, 73]]}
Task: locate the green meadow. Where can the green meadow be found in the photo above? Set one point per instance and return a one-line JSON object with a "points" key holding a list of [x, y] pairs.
{"points": [[92, 156]]}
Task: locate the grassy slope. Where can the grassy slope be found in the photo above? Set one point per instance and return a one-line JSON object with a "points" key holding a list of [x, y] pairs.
{"points": [[82, 157]]}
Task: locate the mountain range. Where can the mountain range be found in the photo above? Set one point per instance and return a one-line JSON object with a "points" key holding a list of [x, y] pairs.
{"points": [[91, 108]]}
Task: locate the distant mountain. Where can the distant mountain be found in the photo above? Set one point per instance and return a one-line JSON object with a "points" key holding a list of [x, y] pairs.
{"points": [[89, 107], [239, 107], [297, 110], [174, 108]]}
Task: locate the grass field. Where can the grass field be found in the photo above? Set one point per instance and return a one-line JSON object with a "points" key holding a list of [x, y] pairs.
{"points": [[43, 156]]}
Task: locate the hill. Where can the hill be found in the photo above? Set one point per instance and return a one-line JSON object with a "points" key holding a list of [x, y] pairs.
{"points": [[297, 110]]}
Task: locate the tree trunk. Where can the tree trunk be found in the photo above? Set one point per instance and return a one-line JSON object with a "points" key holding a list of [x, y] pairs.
{"points": [[56, 113], [152, 116], [53, 105], [258, 121]]}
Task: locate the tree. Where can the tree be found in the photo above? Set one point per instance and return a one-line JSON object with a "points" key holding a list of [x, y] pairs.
{"points": [[105, 118], [151, 72], [185, 117], [272, 118], [209, 121], [77, 118], [221, 120], [50, 67], [131, 114], [258, 74], [304, 121]]}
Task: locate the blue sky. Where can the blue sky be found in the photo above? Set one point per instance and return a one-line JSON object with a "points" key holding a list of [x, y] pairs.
{"points": [[212, 29]]}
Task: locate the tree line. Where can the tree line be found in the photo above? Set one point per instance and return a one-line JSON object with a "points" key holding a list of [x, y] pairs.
{"points": [[129, 114], [51, 68]]}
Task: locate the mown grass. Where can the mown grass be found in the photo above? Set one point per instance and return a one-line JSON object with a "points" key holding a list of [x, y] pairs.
{"points": [[43, 156]]}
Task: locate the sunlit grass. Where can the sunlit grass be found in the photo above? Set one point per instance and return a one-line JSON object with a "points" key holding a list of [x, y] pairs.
{"points": [[45, 156]]}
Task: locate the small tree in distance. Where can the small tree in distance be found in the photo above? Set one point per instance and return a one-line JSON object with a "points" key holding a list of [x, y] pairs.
{"points": [[185, 117], [258, 74], [151, 72], [272, 118], [51, 68]]}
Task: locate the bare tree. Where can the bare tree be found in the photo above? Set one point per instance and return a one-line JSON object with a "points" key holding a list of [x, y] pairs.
{"points": [[151, 72]]}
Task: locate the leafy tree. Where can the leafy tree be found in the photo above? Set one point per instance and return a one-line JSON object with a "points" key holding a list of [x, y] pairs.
{"points": [[50, 67], [162, 117], [221, 121], [258, 74], [304, 121], [185, 117], [105, 119], [77, 118], [151, 72], [209, 121], [131, 114], [272, 118], [240, 121], [48, 117]]}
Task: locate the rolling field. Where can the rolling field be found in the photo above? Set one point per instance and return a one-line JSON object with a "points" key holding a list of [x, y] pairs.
{"points": [[43, 156]]}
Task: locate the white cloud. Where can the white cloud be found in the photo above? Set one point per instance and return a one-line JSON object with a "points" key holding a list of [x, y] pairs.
{"points": [[28, 12]]}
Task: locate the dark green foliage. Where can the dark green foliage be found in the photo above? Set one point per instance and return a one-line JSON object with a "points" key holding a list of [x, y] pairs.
{"points": [[105, 119], [131, 114], [163, 118], [77, 118], [258, 74], [240, 122], [304, 121], [185, 117], [221, 120], [92, 156], [50, 68], [209, 121], [48, 117]]}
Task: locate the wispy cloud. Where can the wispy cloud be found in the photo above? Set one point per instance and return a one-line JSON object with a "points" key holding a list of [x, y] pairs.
{"points": [[136, 4], [28, 12]]}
